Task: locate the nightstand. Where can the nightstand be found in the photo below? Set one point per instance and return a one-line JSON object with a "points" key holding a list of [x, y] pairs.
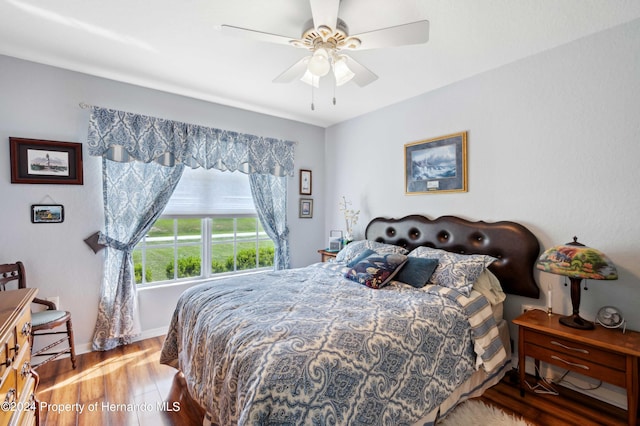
{"points": [[604, 354], [327, 255]]}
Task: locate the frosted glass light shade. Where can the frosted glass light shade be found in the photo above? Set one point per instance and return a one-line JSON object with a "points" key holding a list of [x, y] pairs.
{"points": [[342, 72], [319, 64]]}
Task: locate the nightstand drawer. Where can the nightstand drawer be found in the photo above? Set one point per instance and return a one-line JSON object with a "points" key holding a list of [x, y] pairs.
{"points": [[577, 350], [579, 365]]}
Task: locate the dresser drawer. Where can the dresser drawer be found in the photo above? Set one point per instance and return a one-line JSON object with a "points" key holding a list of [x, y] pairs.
{"points": [[580, 364], [8, 396], [27, 406], [6, 356], [23, 327]]}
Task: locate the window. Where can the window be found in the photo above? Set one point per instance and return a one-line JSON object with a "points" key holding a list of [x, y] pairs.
{"points": [[208, 227]]}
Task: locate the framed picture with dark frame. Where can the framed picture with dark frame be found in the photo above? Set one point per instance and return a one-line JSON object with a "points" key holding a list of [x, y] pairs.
{"points": [[47, 213], [306, 208], [46, 162], [305, 182], [436, 165]]}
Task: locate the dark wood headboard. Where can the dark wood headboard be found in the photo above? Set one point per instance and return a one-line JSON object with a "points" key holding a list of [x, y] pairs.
{"points": [[515, 247]]}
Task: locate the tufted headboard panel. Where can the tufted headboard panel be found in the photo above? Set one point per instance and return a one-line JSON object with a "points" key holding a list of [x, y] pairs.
{"points": [[515, 247]]}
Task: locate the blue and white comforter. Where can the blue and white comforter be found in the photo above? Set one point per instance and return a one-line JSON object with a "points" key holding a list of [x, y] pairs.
{"points": [[306, 346]]}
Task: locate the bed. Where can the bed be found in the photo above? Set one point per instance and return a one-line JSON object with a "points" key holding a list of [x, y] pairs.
{"points": [[403, 326]]}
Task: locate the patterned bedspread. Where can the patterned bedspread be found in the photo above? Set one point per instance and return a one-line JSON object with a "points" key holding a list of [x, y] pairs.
{"points": [[306, 346]]}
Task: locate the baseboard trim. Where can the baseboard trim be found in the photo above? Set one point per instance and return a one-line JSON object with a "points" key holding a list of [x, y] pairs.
{"points": [[147, 334]]}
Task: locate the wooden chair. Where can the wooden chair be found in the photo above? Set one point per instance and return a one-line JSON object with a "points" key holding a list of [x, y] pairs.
{"points": [[43, 321]]}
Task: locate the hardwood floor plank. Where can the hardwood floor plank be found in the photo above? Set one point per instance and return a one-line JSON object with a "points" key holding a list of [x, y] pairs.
{"points": [[569, 408], [132, 376]]}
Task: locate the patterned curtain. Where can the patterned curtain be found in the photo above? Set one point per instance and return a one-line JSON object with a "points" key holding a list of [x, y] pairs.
{"points": [[143, 159], [270, 198], [135, 194]]}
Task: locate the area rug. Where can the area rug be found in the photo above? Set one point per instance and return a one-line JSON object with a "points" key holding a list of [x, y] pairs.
{"points": [[478, 413]]}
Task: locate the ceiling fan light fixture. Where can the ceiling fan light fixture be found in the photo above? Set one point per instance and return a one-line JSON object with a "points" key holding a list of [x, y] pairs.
{"points": [[319, 64], [341, 71], [310, 79]]}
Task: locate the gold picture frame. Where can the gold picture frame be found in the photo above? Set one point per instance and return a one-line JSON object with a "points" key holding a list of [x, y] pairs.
{"points": [[436, 165]]}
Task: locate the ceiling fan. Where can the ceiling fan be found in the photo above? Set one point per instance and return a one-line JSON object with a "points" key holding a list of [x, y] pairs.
{"points": [[326, 36]]}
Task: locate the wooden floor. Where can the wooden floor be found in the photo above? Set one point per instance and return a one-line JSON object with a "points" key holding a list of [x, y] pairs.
{"points": [[128, 386]]}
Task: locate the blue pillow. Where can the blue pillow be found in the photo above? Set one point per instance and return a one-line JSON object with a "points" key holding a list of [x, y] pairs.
{"points": [[417, 271], [376, 270]]}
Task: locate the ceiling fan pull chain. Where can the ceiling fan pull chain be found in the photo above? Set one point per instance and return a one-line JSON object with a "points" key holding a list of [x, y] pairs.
{"points": [[313, 108], [334, 91]]}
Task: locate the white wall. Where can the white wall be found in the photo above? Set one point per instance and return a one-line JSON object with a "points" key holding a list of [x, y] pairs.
{"points": [[553, 143], [41, 102]]}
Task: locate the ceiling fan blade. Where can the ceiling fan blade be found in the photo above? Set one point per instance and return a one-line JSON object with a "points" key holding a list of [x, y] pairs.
{"points": [[256, 35], [412, 33], [325, 12], [293, 72], [363, 75]]}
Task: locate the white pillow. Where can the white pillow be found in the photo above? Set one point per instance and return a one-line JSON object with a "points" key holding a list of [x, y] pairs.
{"points": [[457, 271], [489, 286]]}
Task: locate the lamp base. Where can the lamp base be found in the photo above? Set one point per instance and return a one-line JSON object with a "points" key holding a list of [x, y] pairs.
{"points": [[576, 321]]}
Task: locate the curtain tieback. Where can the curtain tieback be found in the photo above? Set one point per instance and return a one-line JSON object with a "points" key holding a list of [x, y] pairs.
{"points": [[113, 243], [283, 236]]}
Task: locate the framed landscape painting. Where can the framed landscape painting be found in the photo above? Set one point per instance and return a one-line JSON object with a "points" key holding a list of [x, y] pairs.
{"points": [[42, 161], [47, 213], [436, 165]]}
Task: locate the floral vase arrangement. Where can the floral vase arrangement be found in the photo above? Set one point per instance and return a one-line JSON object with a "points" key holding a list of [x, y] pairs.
{"points": [[350, 219]]}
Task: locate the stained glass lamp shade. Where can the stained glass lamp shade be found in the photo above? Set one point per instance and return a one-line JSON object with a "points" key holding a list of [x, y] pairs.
{"points": [[578, 262]]}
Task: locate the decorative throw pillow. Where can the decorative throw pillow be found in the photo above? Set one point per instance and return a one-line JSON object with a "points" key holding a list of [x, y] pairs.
{"points": [[417, 271], [355, 248], [358, 258], [376, 270], [457, 271]]}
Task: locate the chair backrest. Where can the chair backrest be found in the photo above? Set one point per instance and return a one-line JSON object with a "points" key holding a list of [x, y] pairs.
{"points": [[12, 273]]}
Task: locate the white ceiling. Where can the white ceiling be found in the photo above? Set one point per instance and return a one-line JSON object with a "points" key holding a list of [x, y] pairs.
{"points": [[178, 47]]}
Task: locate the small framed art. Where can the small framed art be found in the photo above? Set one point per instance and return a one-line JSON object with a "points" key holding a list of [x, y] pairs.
{"points": [[42, 161], [47, 213], [306, 208], [436, 165], [305, 182]]}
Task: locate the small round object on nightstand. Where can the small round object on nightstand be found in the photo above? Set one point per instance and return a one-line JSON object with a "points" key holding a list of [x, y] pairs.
{"points": [[610, 317]]}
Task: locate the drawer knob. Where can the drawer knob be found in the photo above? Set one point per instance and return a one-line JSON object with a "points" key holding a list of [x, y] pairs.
{"points": [[26, 369], [26, 329], [573, 364], [584, 351], [11, 396]]}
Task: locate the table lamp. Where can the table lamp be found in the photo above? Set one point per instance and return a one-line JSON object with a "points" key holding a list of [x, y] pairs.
{"points": [[577, 262]]}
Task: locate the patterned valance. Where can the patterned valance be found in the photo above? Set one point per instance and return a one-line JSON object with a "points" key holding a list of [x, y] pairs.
{"points": [[124, 136]]}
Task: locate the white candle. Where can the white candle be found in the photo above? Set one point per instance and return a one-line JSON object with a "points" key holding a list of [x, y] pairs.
{"points": [[549, 299]]}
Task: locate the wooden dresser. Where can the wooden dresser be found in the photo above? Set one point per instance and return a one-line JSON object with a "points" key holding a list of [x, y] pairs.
{"points": [[17, 380]]}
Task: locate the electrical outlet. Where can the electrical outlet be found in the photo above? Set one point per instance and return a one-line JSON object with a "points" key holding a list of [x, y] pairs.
{"points": [[526, 308]]}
